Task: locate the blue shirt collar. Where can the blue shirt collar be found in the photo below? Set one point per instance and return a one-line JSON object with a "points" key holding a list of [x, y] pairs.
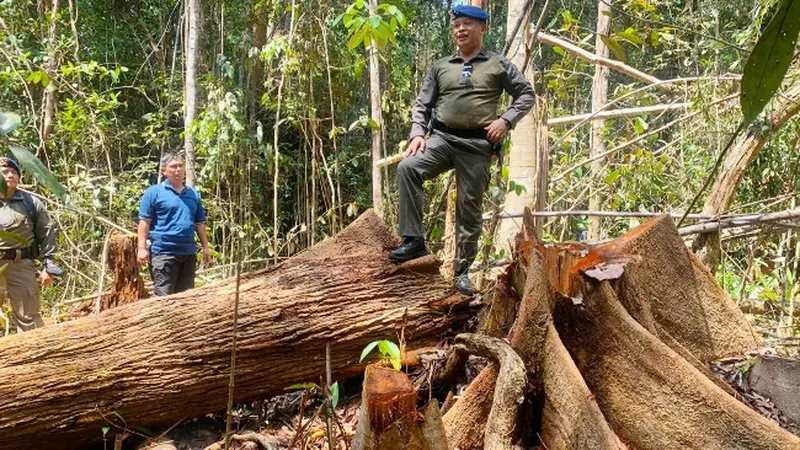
{"points": [[169, 186]]}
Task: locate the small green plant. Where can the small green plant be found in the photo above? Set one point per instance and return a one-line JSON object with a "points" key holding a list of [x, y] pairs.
{"points": [[389, 351]]}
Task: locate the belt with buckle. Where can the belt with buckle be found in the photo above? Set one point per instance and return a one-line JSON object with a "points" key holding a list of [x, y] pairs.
{"points": [[24, 253], [466, 133]]}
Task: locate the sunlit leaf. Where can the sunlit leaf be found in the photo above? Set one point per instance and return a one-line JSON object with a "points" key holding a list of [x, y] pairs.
{"points": [[393, 350], [631, 36], [640, 125], [368, 349], [334, 390], [29, 162], [770, 59], [615, 47], [612, 177], [8, 122]]}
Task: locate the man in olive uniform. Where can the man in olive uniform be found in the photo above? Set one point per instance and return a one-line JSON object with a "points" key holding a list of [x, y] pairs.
{"points": [[457, 110], [29, 234]]}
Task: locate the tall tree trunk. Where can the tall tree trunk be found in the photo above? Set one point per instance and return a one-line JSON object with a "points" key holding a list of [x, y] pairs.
{"points": [[599, 98], [156, 361], [50, 68], [190, 86], [522, 159], [377, 116]]}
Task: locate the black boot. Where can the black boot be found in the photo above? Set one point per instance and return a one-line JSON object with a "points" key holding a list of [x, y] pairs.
{"points": [[462, 281], [411, 248]]}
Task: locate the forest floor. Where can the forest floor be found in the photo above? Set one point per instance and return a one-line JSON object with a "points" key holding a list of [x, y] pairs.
{"points": [[296, 420]]}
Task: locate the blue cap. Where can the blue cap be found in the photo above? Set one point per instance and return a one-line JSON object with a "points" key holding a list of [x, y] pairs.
{"points": [[8, 162], [474, 12]]}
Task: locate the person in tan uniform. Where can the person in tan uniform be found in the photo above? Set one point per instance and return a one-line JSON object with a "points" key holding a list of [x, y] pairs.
{"points": [[28, 234]]}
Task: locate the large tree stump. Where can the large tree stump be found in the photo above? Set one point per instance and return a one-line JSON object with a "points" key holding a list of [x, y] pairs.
{"points": [[159, 360], [612, 337]]}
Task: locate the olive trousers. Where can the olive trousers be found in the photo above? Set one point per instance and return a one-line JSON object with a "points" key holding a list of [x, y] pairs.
{"points": [[471, 159]]}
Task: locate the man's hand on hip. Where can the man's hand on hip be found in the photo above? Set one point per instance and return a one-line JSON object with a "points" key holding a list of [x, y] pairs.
{"points": [[142, 255], [497, 130], [417, 144]]}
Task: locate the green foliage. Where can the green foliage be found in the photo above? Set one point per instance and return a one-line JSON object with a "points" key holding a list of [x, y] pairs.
{"points": [[363, 29], [334, 392], [30, 163], [387, 349], [770, 59]]}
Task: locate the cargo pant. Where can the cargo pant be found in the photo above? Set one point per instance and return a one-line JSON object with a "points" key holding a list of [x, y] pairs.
{"points": [[20, 284], [471, 159]]}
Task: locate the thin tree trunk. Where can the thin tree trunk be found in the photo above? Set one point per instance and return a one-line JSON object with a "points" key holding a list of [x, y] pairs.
{"points": [[336, 192], [157, 361], [377, 116], [599, 98], [50, 69], [190, 87], [276, 149]]}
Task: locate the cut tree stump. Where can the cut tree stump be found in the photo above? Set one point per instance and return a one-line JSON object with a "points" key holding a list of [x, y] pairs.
{"points": [[389, 419], [612, 337], [128, 285], [159, 360]]}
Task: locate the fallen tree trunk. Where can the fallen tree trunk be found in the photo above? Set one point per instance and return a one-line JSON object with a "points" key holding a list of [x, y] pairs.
{"points": [[158, 360]]}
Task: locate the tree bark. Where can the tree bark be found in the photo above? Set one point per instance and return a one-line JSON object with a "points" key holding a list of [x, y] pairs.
{"points": [[599, 99], [522, 155], [159, 360], [613, 348], [377, 116], [190, 86], [639, 381], [528, 166], [509, 390], [50, 68]]}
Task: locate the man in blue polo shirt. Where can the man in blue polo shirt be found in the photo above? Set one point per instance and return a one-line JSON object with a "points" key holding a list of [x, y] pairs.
{"points": [[171, 214]]}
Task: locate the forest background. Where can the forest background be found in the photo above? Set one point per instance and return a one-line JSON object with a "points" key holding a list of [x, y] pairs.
{"points": [[283, 132]]}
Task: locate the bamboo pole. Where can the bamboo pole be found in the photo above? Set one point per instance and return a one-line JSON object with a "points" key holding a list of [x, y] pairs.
{"points": [[619, 113], [620, 67]]}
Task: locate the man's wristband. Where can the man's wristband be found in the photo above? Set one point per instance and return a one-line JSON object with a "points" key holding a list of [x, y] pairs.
{"points": [[508, 122]]}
